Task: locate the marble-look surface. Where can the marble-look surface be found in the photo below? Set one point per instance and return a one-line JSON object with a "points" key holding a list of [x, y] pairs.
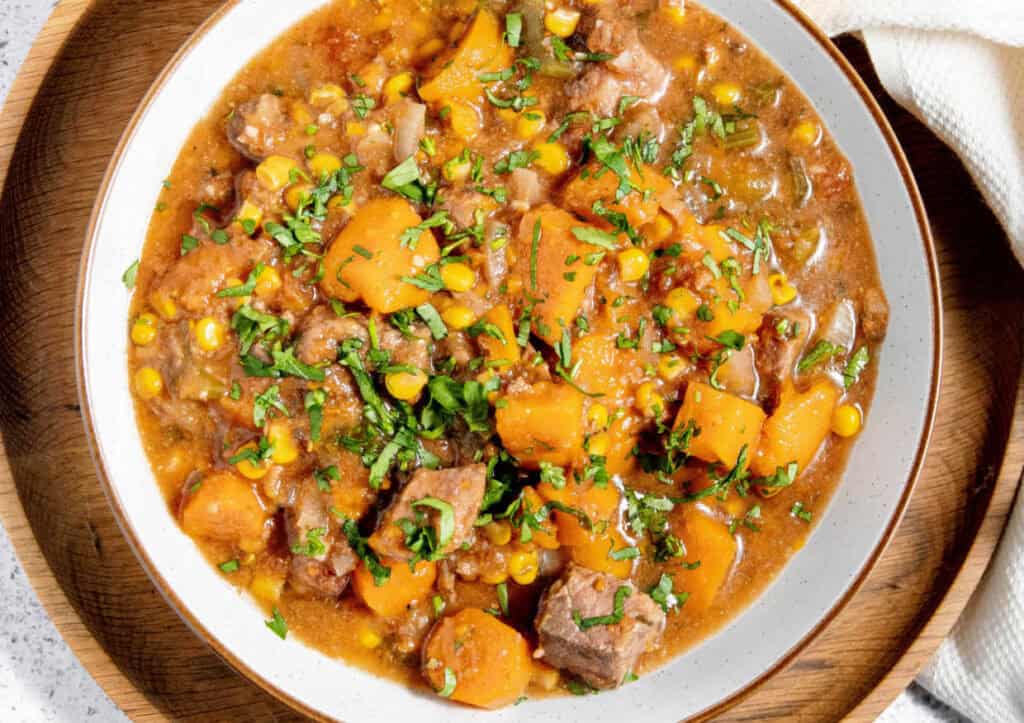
{"points": [[40, 678]]}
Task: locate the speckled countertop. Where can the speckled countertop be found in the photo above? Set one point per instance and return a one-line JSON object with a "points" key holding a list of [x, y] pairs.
{"points": [[40, 678]]}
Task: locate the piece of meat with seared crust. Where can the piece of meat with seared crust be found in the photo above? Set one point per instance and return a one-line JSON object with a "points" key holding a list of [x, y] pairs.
{"points": [[601, 654], [781, 338], [323, 331], [874, 314], [256, 127], [460, 487], [632, 70], [316, 572]]}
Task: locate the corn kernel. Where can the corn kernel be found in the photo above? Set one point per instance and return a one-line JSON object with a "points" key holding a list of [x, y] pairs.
{"points": [[633, 264], [144, 329], [209, 334], [675, 12], [530, 124], [397, 87], [683, 302], [370, 638], [355, 128], [494, 577], [295, 194], [326, 95], [562, 22], [268, 281], [846, 420], [458, 277], [267, 588], [248, 468], [405, 385], [727, 93], [544, 676], [523, 566], [783, 292], [464, 120], [598, 415], [164, 306], [649, 401], [458, 317], [457, 169], [553, 158], [685, 63], [275, 172], [279, 434], [249, 212], [807, 132], [498, 533], [599, 444], [148, 383], [671, 367], [324, 164]]}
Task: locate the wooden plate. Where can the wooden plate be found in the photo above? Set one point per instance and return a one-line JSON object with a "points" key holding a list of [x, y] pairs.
{"points": [[90, 67]]}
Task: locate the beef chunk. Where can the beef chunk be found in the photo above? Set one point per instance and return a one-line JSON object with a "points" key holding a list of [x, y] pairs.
{"points": [[316, 572], [323, 330], [258, 126], [461, 487], [781, 338], [602, 654], [874, 314]]}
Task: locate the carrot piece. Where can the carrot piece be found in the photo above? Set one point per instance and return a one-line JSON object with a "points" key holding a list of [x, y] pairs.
{"points": [[640, 207], [487, 661], [456, 75], [226, 508], [367, 259], [402, 587], [708, 541], [726, 423], [543, 245], [496, 349], [796, 429], [543, 423]]}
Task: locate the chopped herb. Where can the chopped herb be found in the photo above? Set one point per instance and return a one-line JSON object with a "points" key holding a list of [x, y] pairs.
{"points": [[514, 160], [325, 476], [801, 513], [664, 594], [821, 352], [552, 474], [128, 277], [410, 238], [534, 246], [596, 237], [704, 313], [618, 611], [449, 683], [313, 546], [314, 403], [362, 104], [229, 566], [513, 29], [856, 366], [270, 399], [502, 590], [731, 339], [433, 320], [246, 289], [188, 243], [381, 573], [278, 625], [236, 392]]}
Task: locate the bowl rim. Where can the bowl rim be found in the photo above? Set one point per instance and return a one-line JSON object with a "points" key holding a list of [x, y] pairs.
{"points": [[818, 36]]}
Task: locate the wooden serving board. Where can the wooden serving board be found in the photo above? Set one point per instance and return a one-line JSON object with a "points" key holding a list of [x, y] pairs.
{"points": [[90, 67]]}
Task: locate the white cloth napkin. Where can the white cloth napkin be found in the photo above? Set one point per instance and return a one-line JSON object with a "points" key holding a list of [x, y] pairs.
{"points": [[958, 65]]}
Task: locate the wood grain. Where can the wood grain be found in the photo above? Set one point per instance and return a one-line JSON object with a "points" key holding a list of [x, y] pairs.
{"points": [[91, 65]]}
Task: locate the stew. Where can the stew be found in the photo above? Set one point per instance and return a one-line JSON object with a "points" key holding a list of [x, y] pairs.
{"points": [[505, 348]]}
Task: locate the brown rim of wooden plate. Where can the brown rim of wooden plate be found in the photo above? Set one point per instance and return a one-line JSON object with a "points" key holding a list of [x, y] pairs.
{"points": [[228, 656]]}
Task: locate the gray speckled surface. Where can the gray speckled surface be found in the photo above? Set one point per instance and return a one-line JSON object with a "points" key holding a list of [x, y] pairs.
{"points": [[40, 678]]}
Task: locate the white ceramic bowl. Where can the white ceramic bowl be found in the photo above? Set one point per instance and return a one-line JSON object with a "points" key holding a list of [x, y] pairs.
{"points": [[845, 542]]}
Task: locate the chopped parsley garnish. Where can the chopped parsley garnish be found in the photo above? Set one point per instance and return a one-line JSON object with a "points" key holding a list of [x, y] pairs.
{"points": [[229, 566], [314, 404], [552, 474], [502, 590], [618, 611], [449, 683], [128, 277], [245, 289], [731, 339], [270, 399], [362, 104], [433, 320], [314, 545], [664, 594], [325, 476], [278, 625], [364, 552], [405, 180], [188, 243], [801, 513], [596, 237], [822, 351], [513, 29], [856, 366], [514, 160], [410, 238]]}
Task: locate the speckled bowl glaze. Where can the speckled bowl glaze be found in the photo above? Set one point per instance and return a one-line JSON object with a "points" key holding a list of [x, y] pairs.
{"points": [[844, 544]]}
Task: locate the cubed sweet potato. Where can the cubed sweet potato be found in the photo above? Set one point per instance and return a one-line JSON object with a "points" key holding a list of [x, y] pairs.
{"points": [[496, 349], [544, 242], [480, 50], [367, 260], [543, 423], [596, 183], [796, 429], [226, 508], [726, 423], [707, 541]]}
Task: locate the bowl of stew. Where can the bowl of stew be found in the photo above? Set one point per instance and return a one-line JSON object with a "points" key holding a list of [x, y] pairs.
{"points": [[557, 360]]}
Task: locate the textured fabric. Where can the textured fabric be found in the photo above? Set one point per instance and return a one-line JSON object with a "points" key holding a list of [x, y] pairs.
{"points": [[958, 65]]}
